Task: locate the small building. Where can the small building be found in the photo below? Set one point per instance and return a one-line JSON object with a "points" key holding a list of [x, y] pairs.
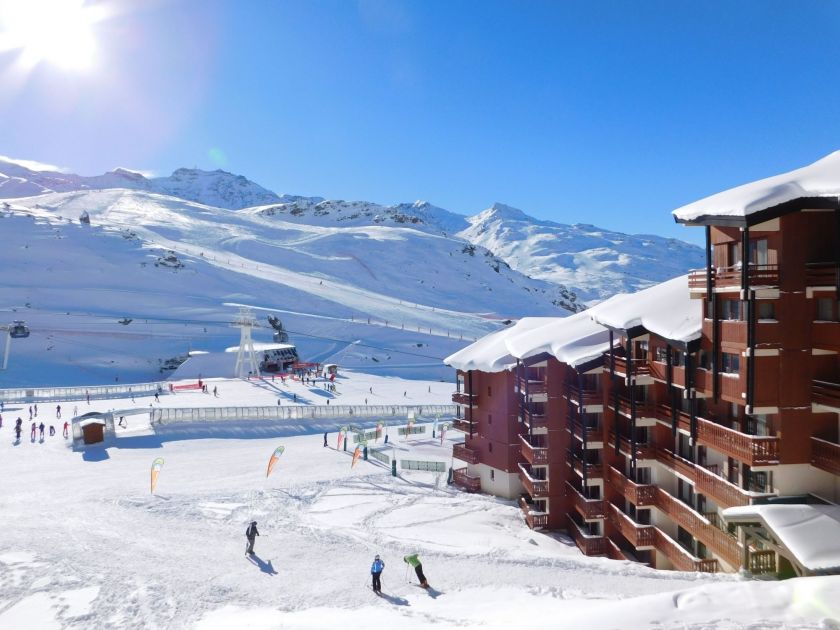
{"points": [[330, 369], [92, 428]]}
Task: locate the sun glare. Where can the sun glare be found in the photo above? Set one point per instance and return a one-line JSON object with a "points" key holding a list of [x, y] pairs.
{"points": [[59, 32]]}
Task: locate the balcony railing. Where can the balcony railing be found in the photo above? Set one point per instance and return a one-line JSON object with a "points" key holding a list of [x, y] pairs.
{"points": [[533, 454], [593, 471], [534, 518], [753, 450], [762, 561], [679, 557], [463, 480], [575, 427], [532, 386], [759, 275], [643, 409], [825, 455], [463, 425], [825, 274], [826, 393], [589, 396], [640, 366], [462, 398], [638, 494], [724, 493], [534, 487], [588, 508], [719, 542], [588, 544], [643, 451], [534, 419], [637, 535], [465, 453]]}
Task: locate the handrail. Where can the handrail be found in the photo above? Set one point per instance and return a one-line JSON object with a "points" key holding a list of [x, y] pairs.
{"points": [[168, 415]]}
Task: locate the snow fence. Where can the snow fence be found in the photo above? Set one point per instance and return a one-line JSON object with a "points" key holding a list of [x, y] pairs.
{"points": [[303, 412], [41, 394]]}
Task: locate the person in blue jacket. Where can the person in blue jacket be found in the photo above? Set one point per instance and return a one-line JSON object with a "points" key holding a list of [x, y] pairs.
{"points": [[376, 571]]}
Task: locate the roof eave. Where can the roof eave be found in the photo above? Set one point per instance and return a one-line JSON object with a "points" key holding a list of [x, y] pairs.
{"points": [[766, 214]]}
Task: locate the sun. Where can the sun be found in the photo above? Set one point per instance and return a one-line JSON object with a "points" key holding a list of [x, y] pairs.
{"points": [[58, 32]]}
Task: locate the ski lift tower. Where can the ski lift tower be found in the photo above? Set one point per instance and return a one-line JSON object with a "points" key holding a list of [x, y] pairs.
{"points": [[246, 358]]}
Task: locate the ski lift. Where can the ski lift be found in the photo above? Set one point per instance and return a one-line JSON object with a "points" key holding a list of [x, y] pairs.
{"points": [[125, 321], [18, 330]]}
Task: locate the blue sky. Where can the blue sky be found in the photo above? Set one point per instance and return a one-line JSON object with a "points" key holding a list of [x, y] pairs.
{"points": [[611, 113]]}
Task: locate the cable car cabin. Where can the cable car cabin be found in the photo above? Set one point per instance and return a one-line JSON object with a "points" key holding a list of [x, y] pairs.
{"points": [[18, 330]]}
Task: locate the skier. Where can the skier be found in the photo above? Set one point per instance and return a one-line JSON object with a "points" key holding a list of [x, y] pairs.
{"points": [[65, 429], [325, 439], [32, 434], [1, 421], [58, 412], [17, 432], [251, 534], [52, 430], [215, 391], [41, 427], [157, 397], [36, 410], [376, 571], [414, 561]]}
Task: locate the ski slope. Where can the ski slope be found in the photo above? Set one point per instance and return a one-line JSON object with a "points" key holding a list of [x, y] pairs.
{"points": [[85, 545]]}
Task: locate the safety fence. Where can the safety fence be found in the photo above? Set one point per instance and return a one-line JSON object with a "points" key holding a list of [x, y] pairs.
{"points": [[411, 430], [303, 412], [430, 466], [379, 456], [41, 394]]}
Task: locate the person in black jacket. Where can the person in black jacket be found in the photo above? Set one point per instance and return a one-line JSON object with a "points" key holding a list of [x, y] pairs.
{"points": [[251, 534]]}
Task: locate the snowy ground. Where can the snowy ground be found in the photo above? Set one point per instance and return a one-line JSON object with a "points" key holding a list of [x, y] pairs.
{"points": [[85, 545]]}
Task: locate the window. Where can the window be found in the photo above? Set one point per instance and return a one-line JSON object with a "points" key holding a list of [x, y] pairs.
{"points": [[825, 310], [759, 481], [730, 363], [766, 309], [642, 475], [677, 358], [489, 391], [492, 475], [759, 252], [703, 359], [734, 251], [757, 424], [642, 350], [731, 309], [661, 354]]}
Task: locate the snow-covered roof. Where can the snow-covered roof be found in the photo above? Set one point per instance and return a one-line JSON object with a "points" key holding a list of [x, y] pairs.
{"points": [[89, 421], [811, 533], [820, 179], [572, 340], [665, 309], [491, 353]]}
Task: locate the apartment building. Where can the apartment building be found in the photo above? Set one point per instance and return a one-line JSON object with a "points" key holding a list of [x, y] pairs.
{"points": [[703, 433]]}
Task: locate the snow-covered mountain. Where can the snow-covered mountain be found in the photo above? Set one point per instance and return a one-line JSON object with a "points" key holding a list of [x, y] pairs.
{"points": [[595, 262], [215, 188], [371, 296]]}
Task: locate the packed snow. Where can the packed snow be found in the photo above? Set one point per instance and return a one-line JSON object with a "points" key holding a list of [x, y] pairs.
{"points": [[820, 179], [86, 545]]}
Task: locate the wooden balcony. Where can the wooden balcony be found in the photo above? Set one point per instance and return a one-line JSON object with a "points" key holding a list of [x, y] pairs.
{"points": [[534, 419], [614, 553], [533, 454], [762, 562], [826, 394], [643, 451], [719, 542], [640, 536], [640, 367], [593, 434], [643, 408], [463, 425], [731, 386], [589, 509], [534, 518], [825, 274], [826, 336], [593, 471], [724, 493], [588, 544], [754, 450], [462, 398], [463, 480], [535, 487], [578, 395], [638, 494], [532, 386], [825, 455], [730, 277], [679, 557], [465, 453]]}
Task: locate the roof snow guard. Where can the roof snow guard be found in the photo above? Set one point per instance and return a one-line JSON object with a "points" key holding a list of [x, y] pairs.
{"points": [[816, 186], [665, 309]]}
